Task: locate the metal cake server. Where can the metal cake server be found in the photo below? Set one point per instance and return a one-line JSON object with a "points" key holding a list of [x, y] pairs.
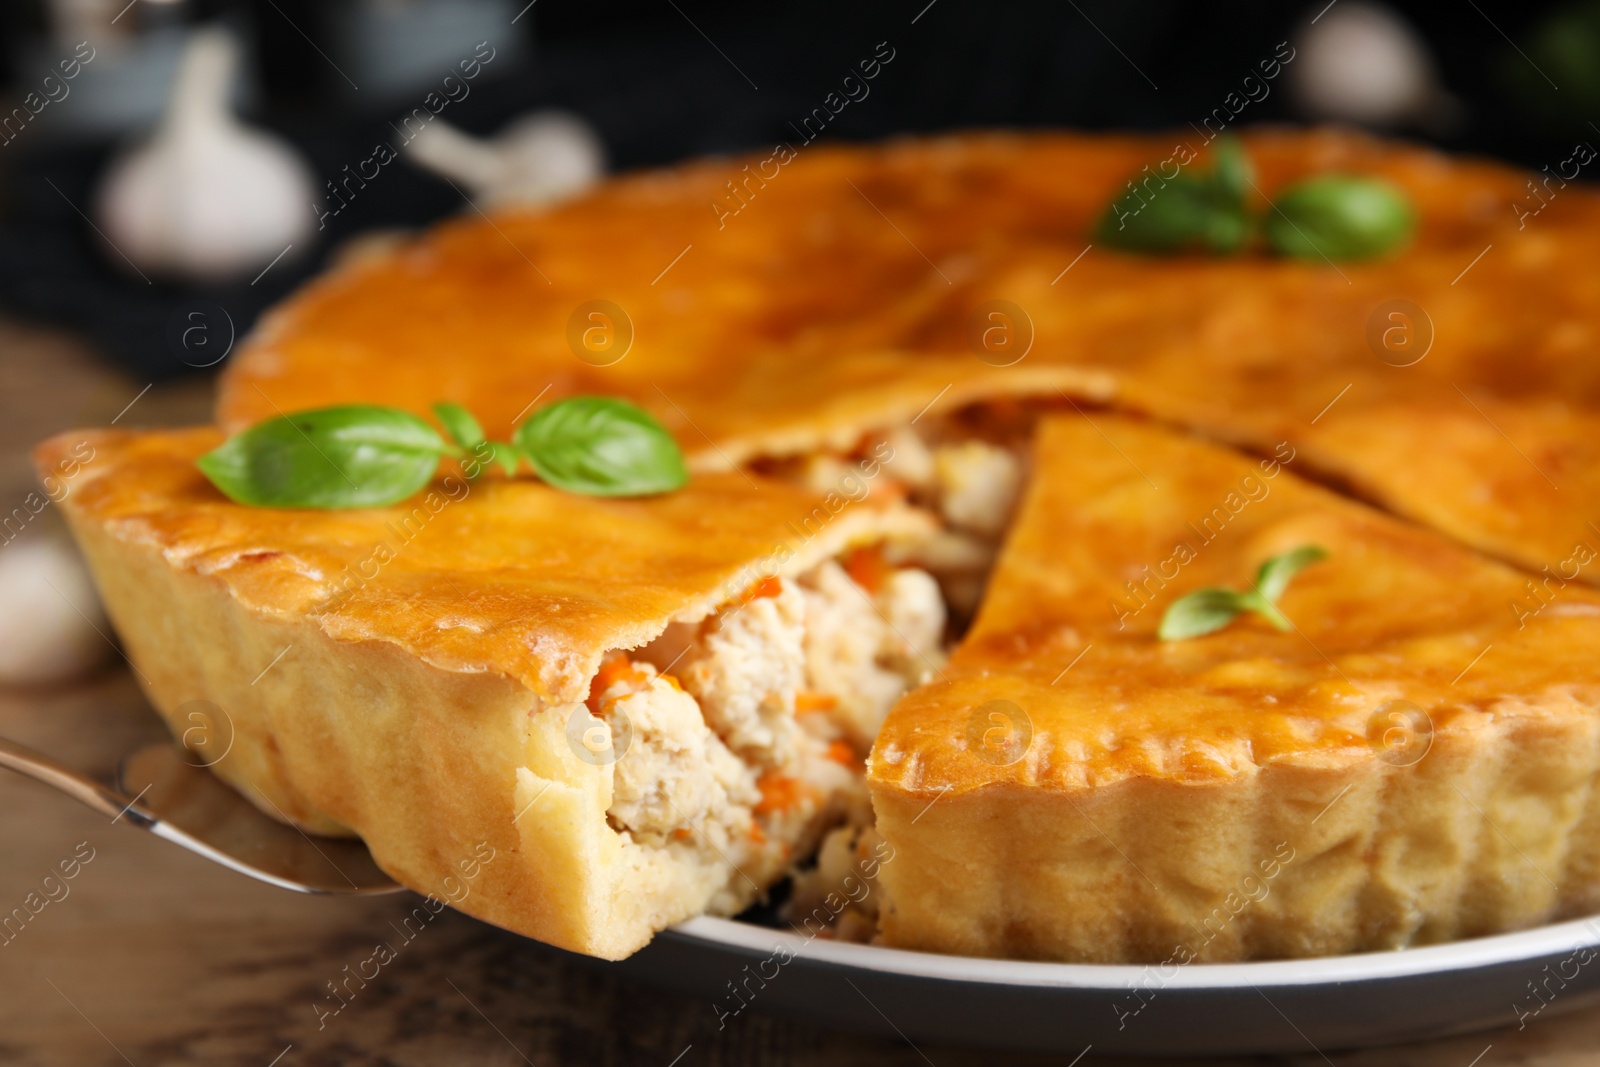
{"points": [[189, 806]]}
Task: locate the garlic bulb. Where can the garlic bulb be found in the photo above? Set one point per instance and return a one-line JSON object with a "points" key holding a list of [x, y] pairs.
{"points": [[1362, 63], [43, 589], [206, 197], [538, 159]]}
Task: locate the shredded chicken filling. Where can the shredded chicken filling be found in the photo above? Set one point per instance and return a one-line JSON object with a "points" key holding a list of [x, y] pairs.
{"points": [[746, 731], [968, 471]]}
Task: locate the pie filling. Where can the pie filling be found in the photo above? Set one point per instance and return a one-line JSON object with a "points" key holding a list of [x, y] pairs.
{"points": [[752, 725], [967, 469], [741, 737]]}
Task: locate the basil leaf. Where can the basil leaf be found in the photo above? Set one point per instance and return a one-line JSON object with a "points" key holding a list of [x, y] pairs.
{"points": [[1202, 210], [1203, 611], [1274, 576], [1175, 217], [1228, 229], [1340, 217], [601, 446], [460, 424], [353, 456]]}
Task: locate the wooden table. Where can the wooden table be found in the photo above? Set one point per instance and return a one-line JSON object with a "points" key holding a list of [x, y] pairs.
{"points": [[156, 957]]}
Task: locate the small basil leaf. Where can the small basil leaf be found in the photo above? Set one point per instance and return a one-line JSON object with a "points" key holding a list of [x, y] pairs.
{"points": [[460, 424], [1203, 611], [1340, 217], [1274, 576], [507, 456], [1231, 172], [353, 456], [1157, 218], [601, 446], [480, 456]]}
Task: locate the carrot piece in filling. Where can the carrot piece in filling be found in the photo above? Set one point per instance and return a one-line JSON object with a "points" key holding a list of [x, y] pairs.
{"points": [[867, 568], [808, 700], [764, 587], [842, 752], [616, 669], [779, 793]]}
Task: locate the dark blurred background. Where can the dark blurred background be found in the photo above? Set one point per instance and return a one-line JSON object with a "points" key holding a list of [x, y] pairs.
{"points": [[319, 85]]}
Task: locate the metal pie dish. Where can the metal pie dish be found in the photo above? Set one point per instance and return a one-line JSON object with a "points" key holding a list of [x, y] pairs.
{"points": [[1281, 1006]]}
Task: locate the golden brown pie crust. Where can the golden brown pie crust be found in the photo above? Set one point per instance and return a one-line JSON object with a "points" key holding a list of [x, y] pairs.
{"points": [[844, 294]]}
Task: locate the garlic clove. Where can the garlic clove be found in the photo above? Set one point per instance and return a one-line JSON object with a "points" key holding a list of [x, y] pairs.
{"points": [[447, 150], [1363, 63], [48, 613], [206, 197], [552, 154], [541, 158]]}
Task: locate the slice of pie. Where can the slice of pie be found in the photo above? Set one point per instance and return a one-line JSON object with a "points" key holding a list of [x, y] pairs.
{"points": [[1414, 761], [642, 710]]}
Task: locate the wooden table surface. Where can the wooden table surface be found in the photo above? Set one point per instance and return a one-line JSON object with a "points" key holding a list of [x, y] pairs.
{"points": [[157, 957]]}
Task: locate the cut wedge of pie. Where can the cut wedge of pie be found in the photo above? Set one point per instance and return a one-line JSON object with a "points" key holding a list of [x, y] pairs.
{"points": [[1414, 760], [648, 709]]}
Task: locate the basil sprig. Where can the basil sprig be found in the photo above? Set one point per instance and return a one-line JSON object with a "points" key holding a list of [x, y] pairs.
{"points": [[364, 455], [1201, 211], [1207, 610], [1339, 216], [1327, 216]]}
